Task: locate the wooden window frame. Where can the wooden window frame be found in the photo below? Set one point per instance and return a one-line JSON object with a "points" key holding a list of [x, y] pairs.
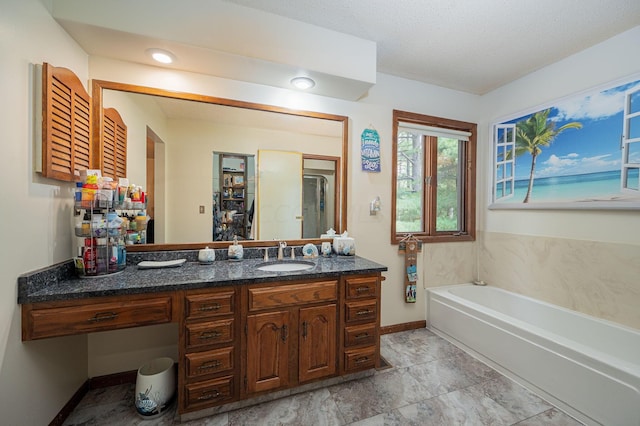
{"points": [[468, 198]]}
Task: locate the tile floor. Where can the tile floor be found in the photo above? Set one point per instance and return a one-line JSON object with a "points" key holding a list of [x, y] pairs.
{"points": [[430, 382]]}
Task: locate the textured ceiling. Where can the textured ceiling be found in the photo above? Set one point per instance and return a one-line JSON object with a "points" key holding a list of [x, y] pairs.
{"points": [[469, 45]]}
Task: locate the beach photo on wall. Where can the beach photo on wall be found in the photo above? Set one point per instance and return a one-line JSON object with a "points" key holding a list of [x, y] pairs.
{"points": [[579, 152]]}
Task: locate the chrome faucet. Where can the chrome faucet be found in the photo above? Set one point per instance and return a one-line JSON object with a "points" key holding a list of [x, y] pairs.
{"points": [[281, 246]]}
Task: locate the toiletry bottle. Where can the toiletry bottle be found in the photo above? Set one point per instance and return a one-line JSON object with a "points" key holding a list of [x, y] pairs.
{"points": [[90, 267], [113, 256]]}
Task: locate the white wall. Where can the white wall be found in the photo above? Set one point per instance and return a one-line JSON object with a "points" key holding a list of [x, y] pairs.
{"points": [[583, 260], [36, 378]]}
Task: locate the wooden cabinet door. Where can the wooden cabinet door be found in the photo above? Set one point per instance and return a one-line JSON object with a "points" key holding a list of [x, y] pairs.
{"points": [[317, 347], [66, 124], [267, 351]]}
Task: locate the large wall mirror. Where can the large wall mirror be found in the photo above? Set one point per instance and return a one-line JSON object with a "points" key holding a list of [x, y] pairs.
{"points": [[190, 152]]}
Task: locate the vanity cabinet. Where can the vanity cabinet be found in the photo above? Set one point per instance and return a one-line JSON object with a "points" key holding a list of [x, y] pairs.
{"points": [[291, 334], [64, 318], [242, 341], [208, 350], [361, 338]]}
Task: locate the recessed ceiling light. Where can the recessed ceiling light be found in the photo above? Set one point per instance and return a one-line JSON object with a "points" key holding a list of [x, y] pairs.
{"points": [[302, 83], [162, 56]]}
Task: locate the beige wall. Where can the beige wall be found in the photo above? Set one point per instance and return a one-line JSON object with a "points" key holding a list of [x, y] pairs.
{"points": [[36, 378]]}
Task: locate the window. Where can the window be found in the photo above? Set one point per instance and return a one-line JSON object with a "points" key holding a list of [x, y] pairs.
{"points": [[433, 192]]}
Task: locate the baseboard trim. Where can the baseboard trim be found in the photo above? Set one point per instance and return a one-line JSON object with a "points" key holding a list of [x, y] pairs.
{"points": [[59, 419], [113, 379], [89, 384], [406, 326]]}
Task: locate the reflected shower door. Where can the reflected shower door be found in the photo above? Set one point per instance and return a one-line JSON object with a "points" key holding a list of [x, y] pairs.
{"points": [[314, 192]]}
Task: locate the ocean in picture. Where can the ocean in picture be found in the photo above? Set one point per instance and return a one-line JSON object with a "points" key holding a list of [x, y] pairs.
{"points": [[583, 187]]}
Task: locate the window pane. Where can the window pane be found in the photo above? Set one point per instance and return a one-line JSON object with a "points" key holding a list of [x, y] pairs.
{"points": [[409, 189], [448, 194], [633, 152], [631, 178]]}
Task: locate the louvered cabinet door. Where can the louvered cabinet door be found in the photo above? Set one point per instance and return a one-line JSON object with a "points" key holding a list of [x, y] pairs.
{"points": [[66, 124], [113, 146]]}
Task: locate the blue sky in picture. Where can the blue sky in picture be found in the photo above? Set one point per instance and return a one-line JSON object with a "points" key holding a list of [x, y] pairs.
{"points": [[593, 148]]}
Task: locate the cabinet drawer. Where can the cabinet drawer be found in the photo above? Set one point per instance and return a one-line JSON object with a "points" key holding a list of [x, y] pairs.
{"points": [[209, 305], [360, 359], [210, 362], [360, 335], [358, 288], [209, 333], [364, 310], [209, 393], [53, 319], [292, 294]]}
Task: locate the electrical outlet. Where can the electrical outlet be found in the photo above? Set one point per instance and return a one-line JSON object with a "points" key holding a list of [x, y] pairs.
{"points": [[201, 209]]}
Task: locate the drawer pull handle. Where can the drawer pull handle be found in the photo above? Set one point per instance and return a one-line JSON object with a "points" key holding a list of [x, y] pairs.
{"points": [[211, 395], [362, 289], [205, 335], [103, 316], [362, 336], [362, 359], [210, 365], [364, 312], [209, 308]]}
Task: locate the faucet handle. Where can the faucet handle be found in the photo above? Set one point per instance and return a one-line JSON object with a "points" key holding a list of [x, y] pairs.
{"points": [[282, 244]]}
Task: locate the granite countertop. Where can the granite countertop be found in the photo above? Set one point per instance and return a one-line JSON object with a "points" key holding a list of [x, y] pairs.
{"points": [[43, 285]]}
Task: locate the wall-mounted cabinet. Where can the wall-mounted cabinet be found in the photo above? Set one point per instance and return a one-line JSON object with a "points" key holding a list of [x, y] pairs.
{"points": [[112, 150], [66, 124], [74, 136]]}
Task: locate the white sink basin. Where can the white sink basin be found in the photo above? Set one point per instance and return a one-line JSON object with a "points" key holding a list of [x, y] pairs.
{"points": [[286, 266]]}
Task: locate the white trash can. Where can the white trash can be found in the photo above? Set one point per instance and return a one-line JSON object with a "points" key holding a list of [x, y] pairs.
{"points": [[155, 387]]}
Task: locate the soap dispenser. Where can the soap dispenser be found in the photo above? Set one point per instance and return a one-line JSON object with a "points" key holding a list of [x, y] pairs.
{"points": [[235, 250]]}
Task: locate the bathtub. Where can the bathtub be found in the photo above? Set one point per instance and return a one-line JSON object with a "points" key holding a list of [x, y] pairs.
{"points": [[588, 367]]}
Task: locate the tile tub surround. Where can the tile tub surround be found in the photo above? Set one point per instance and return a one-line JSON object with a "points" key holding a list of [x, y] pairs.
{"points": [[592, 277], [430, 382], [56, 283]]}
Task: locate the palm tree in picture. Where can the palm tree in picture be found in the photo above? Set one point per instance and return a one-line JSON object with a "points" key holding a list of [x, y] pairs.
{"points": [[534, 133]]}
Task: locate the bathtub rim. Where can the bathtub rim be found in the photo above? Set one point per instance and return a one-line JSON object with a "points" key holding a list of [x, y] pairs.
{"points": [[507, 324], [580, 350]]}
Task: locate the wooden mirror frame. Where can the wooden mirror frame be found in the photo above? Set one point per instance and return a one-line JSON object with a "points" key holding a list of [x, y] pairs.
{"points": [[341, 175]]}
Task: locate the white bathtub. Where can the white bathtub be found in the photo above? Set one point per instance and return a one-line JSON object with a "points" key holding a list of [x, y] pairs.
{"points": [[588, 367]]}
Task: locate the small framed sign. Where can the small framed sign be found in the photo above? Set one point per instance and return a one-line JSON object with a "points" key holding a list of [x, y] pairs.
{"points": [[370, 150]]}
